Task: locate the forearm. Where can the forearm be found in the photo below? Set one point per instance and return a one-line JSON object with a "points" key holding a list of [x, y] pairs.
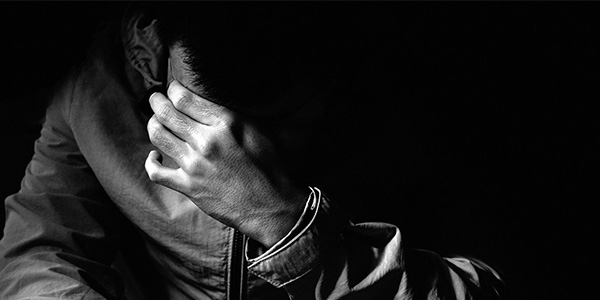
{"points": [[333, 259], [324, 258]]}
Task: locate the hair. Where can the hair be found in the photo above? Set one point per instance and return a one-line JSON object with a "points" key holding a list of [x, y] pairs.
{"points": [[254, 56]]}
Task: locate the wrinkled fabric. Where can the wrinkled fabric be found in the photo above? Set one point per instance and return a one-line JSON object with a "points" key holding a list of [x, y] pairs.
{"points": [[87, 222]]}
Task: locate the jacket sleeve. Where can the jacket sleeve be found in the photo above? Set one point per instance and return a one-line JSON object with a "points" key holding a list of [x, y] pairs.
{"points": [[335, 259], [60, 233]]}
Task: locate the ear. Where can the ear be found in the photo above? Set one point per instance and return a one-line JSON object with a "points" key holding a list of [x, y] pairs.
{"points": [[142, 45]]}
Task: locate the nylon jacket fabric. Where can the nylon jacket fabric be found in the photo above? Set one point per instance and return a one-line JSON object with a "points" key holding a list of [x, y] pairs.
{"points": [[87, 222]]}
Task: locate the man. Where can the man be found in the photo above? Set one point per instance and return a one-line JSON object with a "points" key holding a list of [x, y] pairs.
{"points": [[203, 196]]}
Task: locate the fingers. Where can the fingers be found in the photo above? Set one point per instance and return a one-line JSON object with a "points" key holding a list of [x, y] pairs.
{"points": [[171, 178], [177, 122], [196, 107], [166, 141], [190, 159]]}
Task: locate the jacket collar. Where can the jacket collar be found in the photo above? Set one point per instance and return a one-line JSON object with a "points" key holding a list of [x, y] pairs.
{"points": [[145, 52]]}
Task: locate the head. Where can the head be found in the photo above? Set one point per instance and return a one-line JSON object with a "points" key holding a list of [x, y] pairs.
{"points": [[260, 59], [276, 62]]}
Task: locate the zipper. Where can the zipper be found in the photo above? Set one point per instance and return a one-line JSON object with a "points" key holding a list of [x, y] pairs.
{"points": [[237, 273]]}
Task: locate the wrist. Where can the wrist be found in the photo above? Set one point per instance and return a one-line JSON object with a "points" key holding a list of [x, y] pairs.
{"points": [[281, 225], [299, 251], [256, 253], [277, 225]]}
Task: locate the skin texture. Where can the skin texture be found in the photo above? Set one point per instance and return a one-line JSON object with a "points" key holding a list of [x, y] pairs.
{"points": [[232, 166]]}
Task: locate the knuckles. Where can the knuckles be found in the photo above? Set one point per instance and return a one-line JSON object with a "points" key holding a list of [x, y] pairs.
{"points": [[164, 113], [191, 165], [152, 171], [152, 174], [182, 102], [158, 179], [157, 137], [205, 153], [153, 128], [162, 110], [226, 120], [210, 145], [191, 104], [180, 97]]}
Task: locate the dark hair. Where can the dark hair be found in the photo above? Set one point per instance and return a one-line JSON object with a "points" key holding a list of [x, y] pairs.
{"points": [[257, 56]]}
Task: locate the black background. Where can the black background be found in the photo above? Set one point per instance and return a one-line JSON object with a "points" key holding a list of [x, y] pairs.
{"points": [[472, 126]]}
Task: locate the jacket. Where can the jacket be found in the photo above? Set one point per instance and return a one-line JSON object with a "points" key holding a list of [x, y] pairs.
{"points": [[87, 222]]}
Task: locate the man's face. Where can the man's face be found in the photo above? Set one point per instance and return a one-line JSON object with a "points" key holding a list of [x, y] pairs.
{"points": [[300, 93], [292, 131]]}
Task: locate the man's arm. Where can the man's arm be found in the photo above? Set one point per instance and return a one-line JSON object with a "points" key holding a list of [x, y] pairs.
{"points": [[60, 234], [231, 170], [331, 258]]}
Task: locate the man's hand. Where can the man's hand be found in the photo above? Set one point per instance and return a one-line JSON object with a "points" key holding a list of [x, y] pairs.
{"points": [[227, 166]]}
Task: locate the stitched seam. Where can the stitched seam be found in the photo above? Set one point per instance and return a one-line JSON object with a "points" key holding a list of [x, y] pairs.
{"points": [[287, 245]]}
